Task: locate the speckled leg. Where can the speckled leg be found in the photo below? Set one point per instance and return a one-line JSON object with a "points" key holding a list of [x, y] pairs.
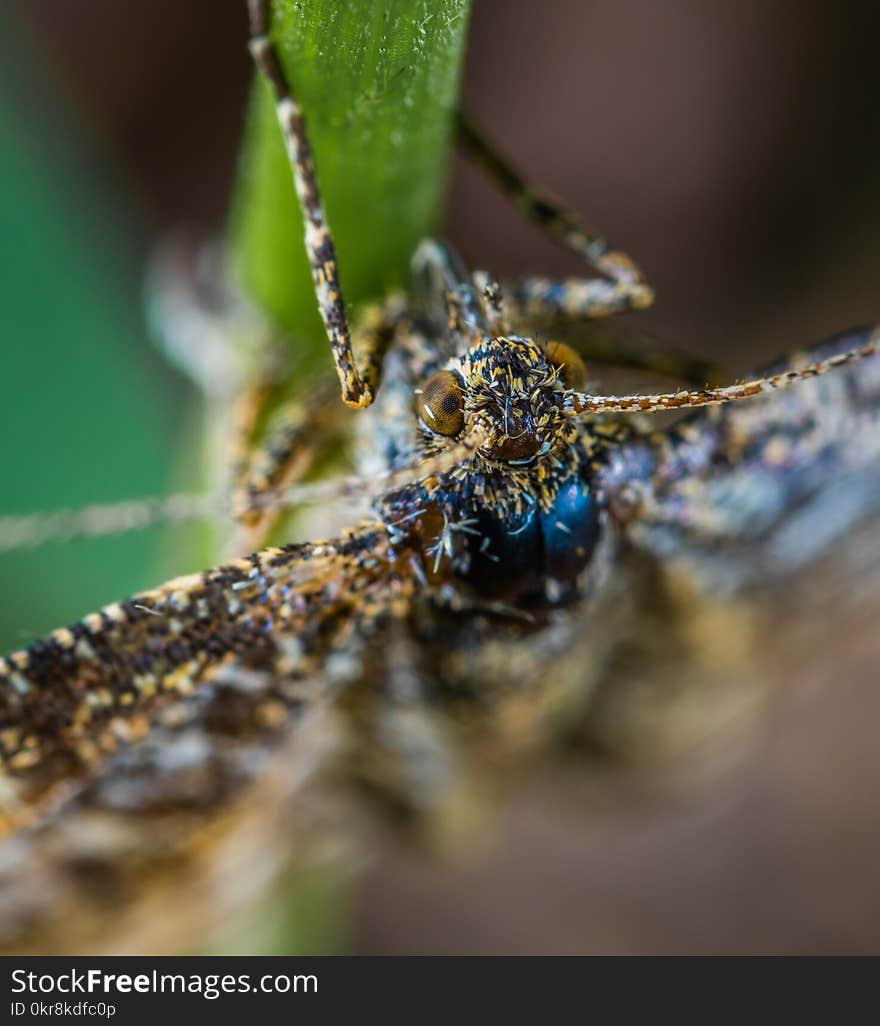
{"points": [[573, 298], [450, 291], [297, 430], [622, 288], [296, 433], [356, 389], [615, 349]]}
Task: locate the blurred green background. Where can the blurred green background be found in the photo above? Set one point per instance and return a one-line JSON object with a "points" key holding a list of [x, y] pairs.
{"points": [[90, 411]]}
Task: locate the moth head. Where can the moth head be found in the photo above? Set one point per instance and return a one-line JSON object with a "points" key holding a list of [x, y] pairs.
{"points": [[509, 387]]}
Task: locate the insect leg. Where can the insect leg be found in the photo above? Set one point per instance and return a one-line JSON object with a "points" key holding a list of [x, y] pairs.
{"points": [[452, 298], [572, 298], [298, 430], [210, 331], [356, 391], [493, 302], [622, 288], [639, 352], [374, 335], [669, 363], [295, 435]]}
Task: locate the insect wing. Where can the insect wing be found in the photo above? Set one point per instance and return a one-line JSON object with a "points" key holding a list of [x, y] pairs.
{"points": [[161, 741]]}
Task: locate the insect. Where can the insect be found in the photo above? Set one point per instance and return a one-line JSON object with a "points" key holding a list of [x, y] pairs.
{"points": [[161, 753]]}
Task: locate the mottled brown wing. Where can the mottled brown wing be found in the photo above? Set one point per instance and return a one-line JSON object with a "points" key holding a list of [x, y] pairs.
{"points": [[152, 752], [758, 535]]}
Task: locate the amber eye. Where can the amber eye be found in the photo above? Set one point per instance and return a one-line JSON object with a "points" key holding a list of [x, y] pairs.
{"points": [[571, 366], [441, 404]]}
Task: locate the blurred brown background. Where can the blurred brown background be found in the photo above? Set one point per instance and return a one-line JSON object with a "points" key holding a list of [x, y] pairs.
{"points": [[734, 149]]}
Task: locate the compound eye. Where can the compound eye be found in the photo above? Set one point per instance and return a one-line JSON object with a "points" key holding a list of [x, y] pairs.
{"points": [[571, 367], [441, 404]]}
